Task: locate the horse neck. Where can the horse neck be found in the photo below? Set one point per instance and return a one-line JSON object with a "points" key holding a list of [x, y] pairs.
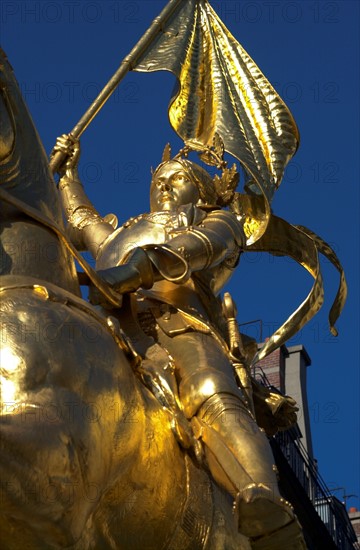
{"points": [[28, 248]]}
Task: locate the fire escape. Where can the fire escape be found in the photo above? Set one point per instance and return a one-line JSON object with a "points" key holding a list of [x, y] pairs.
{"points": [[324, 518]]}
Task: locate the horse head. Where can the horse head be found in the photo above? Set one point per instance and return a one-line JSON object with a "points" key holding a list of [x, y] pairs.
{"points": [[27, 186]]}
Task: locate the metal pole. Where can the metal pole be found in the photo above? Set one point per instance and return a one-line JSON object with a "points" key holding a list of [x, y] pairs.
{"points": [[127, 65]]}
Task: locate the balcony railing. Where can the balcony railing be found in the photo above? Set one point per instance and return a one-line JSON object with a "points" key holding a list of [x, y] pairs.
{"points": [[331, 511]]}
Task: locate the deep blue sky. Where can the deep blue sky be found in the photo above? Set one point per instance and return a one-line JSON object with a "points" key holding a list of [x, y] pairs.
{"points": [[63, 53]]}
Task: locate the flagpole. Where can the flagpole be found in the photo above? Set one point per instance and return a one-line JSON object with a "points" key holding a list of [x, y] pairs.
{"points": [[127, 65]]}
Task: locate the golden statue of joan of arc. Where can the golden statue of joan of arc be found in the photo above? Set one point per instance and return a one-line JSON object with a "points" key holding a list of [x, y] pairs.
{"points": [[176, 259], [168, 350]]}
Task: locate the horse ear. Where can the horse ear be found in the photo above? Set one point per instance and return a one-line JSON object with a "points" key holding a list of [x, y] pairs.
{"points": [[167, 153]]}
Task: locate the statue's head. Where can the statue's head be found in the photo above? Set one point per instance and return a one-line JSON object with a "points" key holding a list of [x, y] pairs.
{"points": [[179, 181]]}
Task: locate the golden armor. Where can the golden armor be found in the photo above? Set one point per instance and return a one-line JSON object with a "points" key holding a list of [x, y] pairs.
{"points": [[178, 257], [133, 422]]}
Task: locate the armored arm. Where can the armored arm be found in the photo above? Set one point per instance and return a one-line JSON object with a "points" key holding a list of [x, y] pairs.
{"points": [[217, 239], [87, 230]]}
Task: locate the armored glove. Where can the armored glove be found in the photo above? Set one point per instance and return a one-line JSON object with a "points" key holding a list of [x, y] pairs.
{"points": [[69, 145], [145, 266]]}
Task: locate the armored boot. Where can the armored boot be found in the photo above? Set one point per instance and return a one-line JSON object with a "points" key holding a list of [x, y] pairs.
{"points": [[240, 460]]}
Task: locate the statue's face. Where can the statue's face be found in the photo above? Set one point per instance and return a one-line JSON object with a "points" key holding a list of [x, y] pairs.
{"points": [[171, 187]]}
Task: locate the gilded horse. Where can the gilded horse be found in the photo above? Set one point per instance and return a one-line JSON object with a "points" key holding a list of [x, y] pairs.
{"points": [[89, 459]]}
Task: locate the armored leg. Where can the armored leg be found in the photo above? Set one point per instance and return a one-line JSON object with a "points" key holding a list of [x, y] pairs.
{"points": [[248, 470], [237, 451]]}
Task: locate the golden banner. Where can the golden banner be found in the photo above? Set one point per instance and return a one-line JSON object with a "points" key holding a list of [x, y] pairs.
{"points": [[222, 91]]}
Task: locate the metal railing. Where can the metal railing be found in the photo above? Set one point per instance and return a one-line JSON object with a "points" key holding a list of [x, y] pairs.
{"points": [[331, 511]]}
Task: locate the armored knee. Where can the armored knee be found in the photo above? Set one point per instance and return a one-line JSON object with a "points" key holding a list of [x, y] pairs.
{"points": [[202, 384], [234, 444]]}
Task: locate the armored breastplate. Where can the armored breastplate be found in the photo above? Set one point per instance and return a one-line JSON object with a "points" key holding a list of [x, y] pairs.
{"points": [[146, 229]]}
